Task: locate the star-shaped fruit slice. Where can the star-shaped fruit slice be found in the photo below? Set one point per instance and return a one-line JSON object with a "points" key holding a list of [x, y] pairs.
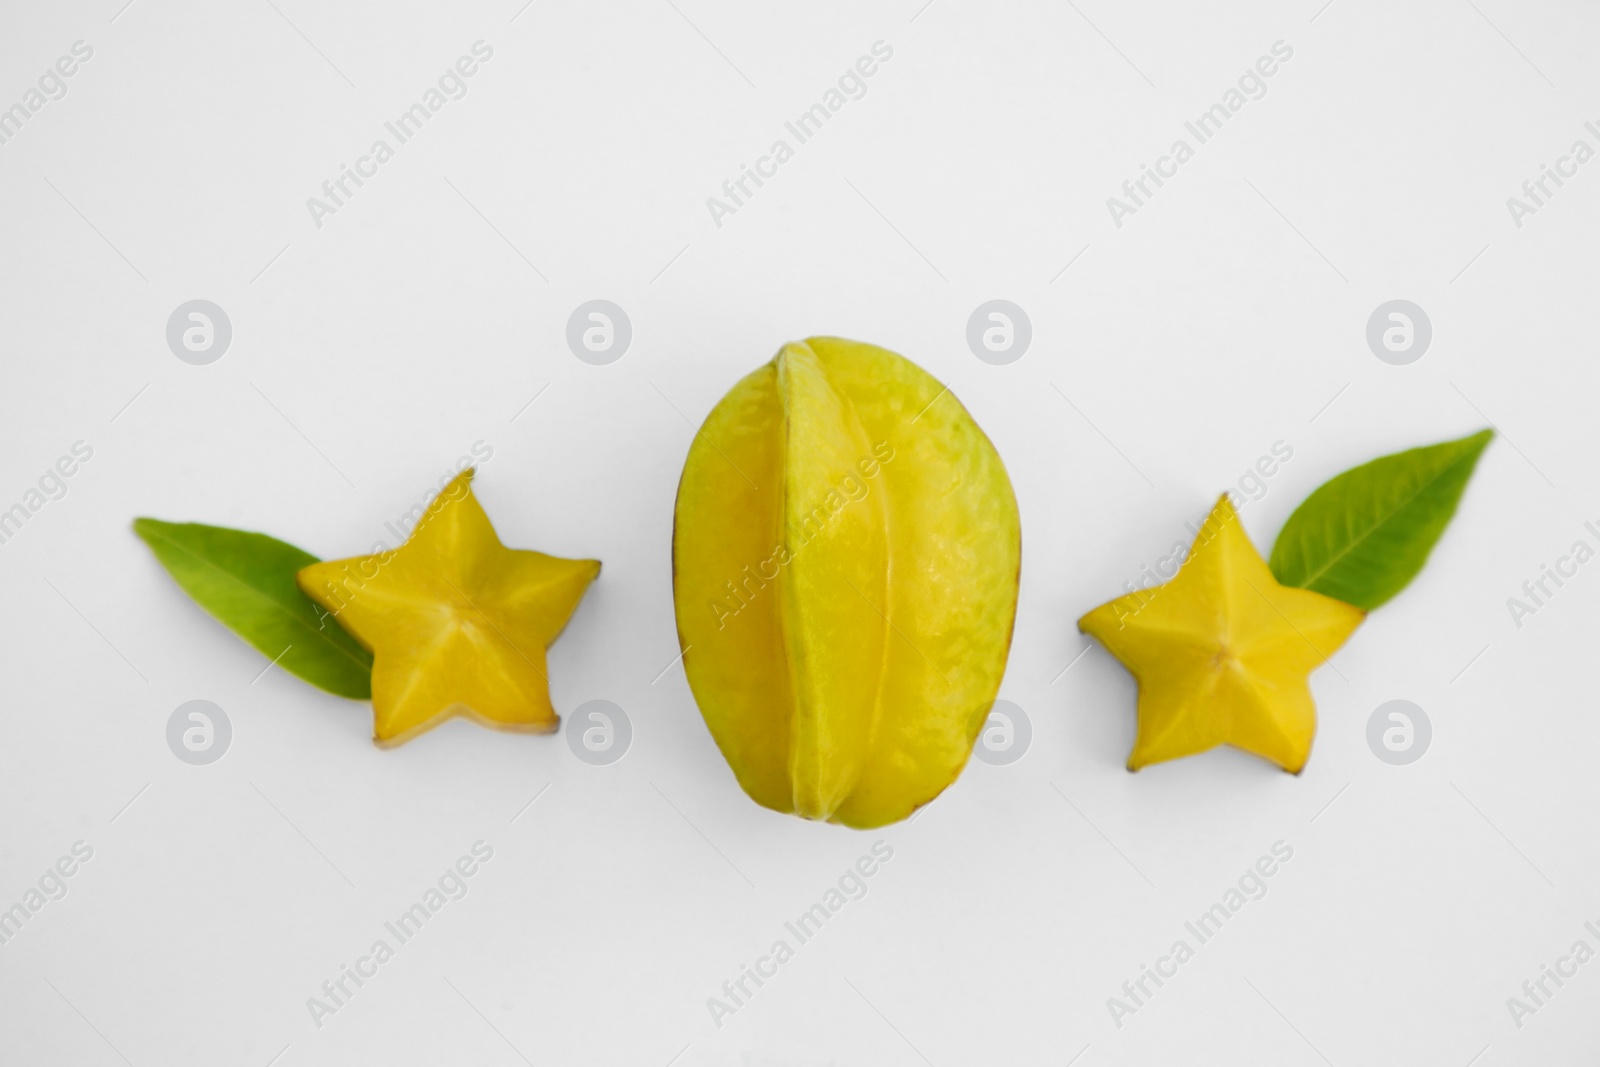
{"points": [[1222, 652], [457, 623]]}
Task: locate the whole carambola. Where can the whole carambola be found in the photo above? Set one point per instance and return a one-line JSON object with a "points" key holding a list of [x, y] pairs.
{"points": [[845, 562]]}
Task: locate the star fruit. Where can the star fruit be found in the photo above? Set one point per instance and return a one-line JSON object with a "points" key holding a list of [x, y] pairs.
{"points": [[845, 562], [1222, 652], [457, 623]]}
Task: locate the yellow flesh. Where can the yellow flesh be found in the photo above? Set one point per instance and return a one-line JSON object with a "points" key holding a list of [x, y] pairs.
{"points": [[1223, 652], [457, 623], [860, 535]]}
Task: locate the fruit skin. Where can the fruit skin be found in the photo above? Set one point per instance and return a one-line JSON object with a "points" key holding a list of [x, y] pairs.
{"points": [[846, 551]]}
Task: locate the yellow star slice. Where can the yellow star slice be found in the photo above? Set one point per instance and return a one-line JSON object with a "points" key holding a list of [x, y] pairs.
{"points": [[457, 623], [1222, 652]]}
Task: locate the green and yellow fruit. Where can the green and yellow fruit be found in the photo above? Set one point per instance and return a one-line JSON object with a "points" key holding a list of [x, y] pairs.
{"points": [[845, 562]]}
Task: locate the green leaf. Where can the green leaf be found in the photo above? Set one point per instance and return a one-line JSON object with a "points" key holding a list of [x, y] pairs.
{"points": [[246, 582], [1363, 535]]}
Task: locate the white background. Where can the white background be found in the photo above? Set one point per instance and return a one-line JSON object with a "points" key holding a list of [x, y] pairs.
{"points": [[372, 352]]}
